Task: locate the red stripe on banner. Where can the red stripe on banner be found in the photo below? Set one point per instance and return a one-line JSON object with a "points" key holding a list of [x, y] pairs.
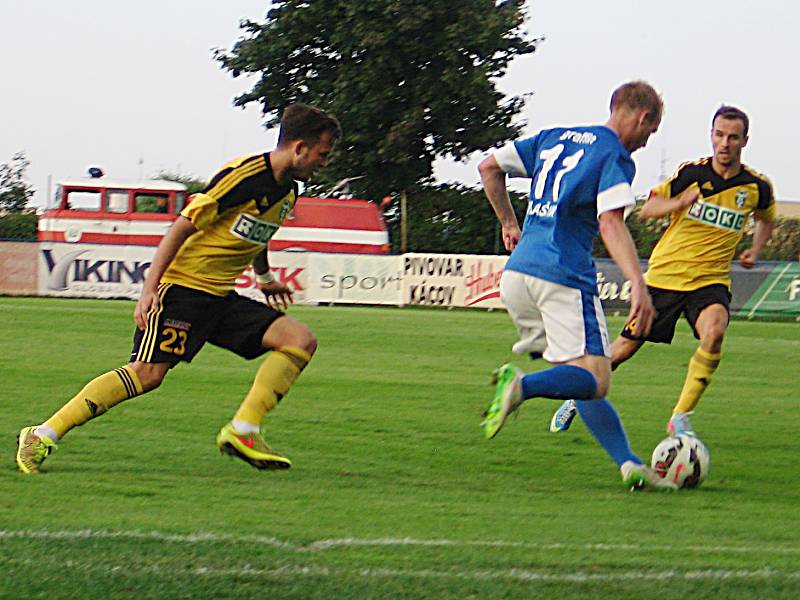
{"points": [[103, 238], [51, 236], [143, 240]]}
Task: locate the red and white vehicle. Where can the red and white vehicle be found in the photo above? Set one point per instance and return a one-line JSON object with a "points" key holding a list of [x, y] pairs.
{"points": [[105, 211]]}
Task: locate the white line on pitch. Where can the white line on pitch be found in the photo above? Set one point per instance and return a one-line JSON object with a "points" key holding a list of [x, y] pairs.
{"points": [[322, 545], [312, 570]]}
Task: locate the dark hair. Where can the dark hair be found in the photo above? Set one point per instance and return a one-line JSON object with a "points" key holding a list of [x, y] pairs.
{"points": [[638, 95], [731, 112], [307, 123]]}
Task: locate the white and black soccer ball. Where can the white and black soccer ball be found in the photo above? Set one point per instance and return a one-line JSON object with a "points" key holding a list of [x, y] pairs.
{"points": [[683, 460]]}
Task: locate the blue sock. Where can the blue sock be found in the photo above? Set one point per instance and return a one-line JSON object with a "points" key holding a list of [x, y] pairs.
{"points": [[561, 382], [603, 421]]}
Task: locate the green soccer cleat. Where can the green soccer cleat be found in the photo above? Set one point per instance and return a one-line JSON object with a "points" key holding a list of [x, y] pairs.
{"points": [[507, 399], [251, 448], [636, 476], [32, 450]]}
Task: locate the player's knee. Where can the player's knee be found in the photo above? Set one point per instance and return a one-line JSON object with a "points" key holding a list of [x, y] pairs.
{"points": [[150, 374], [309, 341], [294, 334], [712, 337], [601, 390]]}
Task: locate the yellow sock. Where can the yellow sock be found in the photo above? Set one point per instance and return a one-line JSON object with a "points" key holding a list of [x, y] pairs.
{"points": [[273, 380], [95, 398], [701, 367]]}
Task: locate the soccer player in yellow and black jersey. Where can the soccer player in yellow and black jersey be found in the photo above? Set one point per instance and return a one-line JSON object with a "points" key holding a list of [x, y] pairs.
{"points": [[708, 201], [188, 296]]}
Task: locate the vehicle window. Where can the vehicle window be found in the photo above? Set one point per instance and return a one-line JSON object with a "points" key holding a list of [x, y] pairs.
{"points": [[151, 202], [180, 202], [117, 201], [83, 200]]}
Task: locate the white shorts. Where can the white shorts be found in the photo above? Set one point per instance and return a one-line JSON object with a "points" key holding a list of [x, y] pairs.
{"points": [[559, 322]]}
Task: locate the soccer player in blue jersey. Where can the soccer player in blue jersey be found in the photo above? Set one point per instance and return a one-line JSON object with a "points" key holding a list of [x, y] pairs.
{"points": [[708, 202], [580, 185]]}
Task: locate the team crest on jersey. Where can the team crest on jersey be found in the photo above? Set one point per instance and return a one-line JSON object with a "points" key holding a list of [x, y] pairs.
{"points": [[248, 228], [717, 216], [741, 198]]}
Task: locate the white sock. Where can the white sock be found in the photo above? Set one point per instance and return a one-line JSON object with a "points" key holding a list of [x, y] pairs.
{"points": [[44, 430], [245, 427]]}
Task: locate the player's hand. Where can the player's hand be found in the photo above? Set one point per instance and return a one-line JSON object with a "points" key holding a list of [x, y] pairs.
{"points": [[642, 313], [748, 258], [278, 295], [511, 235], [147, 301], [689, 196]]}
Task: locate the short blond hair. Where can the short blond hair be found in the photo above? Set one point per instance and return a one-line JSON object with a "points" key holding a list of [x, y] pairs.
{"points": [[638, 95]]}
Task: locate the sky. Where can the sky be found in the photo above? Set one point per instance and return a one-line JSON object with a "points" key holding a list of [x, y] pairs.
{"points": [[132, 86]]}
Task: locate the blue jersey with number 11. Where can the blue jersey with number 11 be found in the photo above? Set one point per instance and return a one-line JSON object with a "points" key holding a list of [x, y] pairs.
{"points": [[577, 173]]}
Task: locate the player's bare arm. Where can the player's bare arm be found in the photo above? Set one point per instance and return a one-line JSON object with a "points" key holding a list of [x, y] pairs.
{"points": [[620, 245], [278, 295], [494, 186], [658, 206], [180, 231], [761, 235]]}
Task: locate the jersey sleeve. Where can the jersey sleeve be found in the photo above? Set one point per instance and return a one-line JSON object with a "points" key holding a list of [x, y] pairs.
{"points": [[236, 183], [201, 211], [681, 180], [766, 200], [510, 161], [614, 190]]}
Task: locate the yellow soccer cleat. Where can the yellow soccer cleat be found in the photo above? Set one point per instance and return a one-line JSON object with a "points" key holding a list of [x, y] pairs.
{"points": [[251, 448], [32, 450]]}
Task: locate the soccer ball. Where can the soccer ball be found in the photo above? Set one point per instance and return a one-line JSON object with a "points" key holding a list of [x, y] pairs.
{"points": [[682, 459]]}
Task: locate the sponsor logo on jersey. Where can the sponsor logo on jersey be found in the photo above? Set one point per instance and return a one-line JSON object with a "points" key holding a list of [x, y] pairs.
{"points": [[542, 209], [579, 137], [717, 216], [250, 229]]}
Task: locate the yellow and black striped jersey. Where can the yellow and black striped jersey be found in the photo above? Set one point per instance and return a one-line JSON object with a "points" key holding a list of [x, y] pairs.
{"points": [[697, 248], [236, 215]]}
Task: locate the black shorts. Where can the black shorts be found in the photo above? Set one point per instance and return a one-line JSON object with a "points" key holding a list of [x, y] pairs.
{"points": [[189, 318], [670, 304]]}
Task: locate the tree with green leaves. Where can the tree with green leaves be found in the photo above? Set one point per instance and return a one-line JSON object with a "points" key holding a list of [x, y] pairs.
{"points": [[410, 80], [17, 221], [14, 189], [452, 219], [193, 184]]}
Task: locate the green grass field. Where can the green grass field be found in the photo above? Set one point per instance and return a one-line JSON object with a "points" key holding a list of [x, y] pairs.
{"points": [[394, 493]]}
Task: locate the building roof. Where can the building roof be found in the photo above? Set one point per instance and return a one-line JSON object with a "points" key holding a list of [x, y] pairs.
{"points": [[141, 184]]}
